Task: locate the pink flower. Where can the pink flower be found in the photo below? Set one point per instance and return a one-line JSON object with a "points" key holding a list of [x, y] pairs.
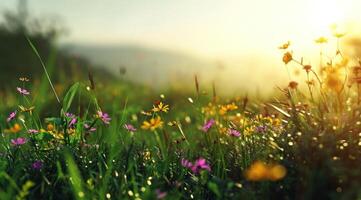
{"points": [[129, 127], [22, 91], [104, 117], [234, 132], [72, 118], [37, 165], [11, 116], [18, 141], [33, 131], [90, 129], [199, 164], [72, 122], [160, 194], [208, 125]]}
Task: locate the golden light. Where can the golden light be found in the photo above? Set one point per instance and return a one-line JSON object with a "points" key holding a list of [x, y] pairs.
{"points": [[325, 13]]}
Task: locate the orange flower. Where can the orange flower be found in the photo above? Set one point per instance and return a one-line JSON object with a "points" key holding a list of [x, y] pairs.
{"points": [[287, 57], [50, 127], [14, 129], [260, 171]]}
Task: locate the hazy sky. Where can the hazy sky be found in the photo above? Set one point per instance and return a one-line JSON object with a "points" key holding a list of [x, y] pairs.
{"points": [[210, 28], [243, 35]]}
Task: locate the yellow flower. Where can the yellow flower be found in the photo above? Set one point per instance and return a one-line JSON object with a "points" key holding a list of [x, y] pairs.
{"points": [[160, 107], [285, 45], [260, 171], [229, 107], [256, 172], [152, 124], [15, 129], [321, 40], [287, 57], [276, 172]]}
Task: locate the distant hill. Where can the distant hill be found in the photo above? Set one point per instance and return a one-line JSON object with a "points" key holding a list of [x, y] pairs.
{"points": [[144, 65]]}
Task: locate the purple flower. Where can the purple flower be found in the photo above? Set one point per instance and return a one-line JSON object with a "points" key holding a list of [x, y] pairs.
{"points": [[22, 91], [18, 141], [70, 115], [90, 129], [234, 132], [33, 131], [199, 164], [37, 165], [129, 127], [104, 117], [208, 125], [11, 116], [160, 194]]}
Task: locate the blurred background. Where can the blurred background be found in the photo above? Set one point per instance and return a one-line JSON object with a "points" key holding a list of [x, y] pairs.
{"points": [[162, 44]]}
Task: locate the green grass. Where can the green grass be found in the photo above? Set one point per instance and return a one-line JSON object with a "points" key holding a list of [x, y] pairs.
{"points": [[315, 138]]}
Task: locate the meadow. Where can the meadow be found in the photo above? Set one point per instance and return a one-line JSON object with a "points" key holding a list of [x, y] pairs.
{"points": [[116, 140]]}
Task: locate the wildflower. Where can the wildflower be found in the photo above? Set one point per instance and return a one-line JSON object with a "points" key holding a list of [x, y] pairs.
{"points": [[22, 91], [33, 131], [307, 68], [160, 194], [285, 45], [160, 107], [260, 171], [256, 172], [287, 57], [104, 117], [293, 85], [129, 127], [234, 132], [14, 129], [339, 34], [70, 115], [276, 172], [200, 164], [334, 81], [229, 107], [11, 116], [18, 141], [90, 129], [72, 122], [321, 40], [37, 165], [152, 124], [208, 125]]}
